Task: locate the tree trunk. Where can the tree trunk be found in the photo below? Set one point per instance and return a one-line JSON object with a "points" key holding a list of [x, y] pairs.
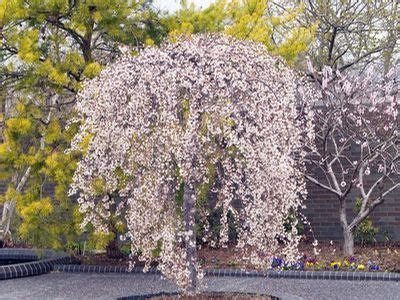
{"points": [[348, 247], [112, 248], [5, 222], [9, 208], [190, 242]]}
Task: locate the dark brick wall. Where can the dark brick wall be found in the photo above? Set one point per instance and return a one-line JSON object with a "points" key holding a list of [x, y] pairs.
{"points": [[323, 213], [323, 207]]}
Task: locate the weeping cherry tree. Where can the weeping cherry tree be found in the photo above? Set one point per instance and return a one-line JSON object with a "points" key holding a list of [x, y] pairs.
{"points": [[157, 121]]}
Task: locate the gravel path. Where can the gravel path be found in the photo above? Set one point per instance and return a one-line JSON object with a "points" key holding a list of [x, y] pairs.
{"points": [[111, 286]]}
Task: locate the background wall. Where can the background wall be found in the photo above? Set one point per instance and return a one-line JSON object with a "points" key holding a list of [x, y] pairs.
{"points": [[323, 213]]}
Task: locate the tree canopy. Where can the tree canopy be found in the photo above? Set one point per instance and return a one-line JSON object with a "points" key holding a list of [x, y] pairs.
{"points": [[256, 20], [163, 119], [47, 49]]}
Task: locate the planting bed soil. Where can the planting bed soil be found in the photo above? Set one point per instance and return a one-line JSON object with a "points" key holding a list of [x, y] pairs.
{"points": [[386, 257], [207, 296]]}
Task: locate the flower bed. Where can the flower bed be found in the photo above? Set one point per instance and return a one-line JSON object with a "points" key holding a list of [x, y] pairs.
{"points": [[374, 258], [305, 263]]}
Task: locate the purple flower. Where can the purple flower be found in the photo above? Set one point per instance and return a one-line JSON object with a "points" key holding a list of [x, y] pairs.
{"points": [[352, 259], [276, 262], [374, 268], [311, 260]]}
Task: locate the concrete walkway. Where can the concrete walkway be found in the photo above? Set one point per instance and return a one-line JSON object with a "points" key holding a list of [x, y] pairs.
{"points": [[111, 286]]}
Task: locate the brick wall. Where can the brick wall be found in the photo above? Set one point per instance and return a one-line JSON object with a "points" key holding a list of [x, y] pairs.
{"points": [[323, 208], [322, 212]]}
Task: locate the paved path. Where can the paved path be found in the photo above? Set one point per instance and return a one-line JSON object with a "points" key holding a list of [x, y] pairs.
{"points": [[110, 286]]}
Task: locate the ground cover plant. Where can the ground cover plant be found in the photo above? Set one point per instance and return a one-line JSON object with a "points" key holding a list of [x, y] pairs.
{"points": [[372, 258], [163, 122]]}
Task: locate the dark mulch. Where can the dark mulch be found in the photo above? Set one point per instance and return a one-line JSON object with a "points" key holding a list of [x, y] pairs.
{"points": [[386, 256], [216, 296], [11, 244]]}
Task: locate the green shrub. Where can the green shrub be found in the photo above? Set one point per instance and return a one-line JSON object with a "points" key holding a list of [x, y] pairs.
{"points": [[365, 233]]}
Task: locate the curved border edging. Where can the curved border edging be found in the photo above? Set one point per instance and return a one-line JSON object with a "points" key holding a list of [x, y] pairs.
{"points": [[72, 268], [149, 295], [321, 275], [167, 294], [42, 262]]}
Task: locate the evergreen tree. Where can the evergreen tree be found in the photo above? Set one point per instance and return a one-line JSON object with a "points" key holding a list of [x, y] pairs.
{"points": [[256, 20], [48, 47]]}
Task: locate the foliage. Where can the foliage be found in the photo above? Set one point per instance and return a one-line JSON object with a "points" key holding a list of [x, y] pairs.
{"points": [[47, 49], [387, 236], [365, 233], [58, 43], [353, 34], [255, 20], [207, 100], [45, 222]]}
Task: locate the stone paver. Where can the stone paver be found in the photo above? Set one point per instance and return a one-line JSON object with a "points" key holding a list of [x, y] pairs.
{"points": [[309, 289], [111, 286]]}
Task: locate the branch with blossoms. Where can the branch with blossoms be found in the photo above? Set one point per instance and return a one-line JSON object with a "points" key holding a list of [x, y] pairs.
{"points": [[157, 122], [357, 138]]}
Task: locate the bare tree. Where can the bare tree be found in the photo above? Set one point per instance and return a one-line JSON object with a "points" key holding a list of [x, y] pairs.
{"points": [[357, 142], [353, 33]]}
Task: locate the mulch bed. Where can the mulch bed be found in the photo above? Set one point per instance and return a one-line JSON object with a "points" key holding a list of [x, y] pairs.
{"points": [[207, 296], [386, 256]]}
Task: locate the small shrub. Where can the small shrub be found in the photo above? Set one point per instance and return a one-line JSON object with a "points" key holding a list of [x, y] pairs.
{"points": [[75, 248], [365, 232], [387, 237]]}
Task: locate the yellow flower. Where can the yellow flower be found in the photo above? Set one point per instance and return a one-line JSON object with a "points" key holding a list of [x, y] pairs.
{"points": [[360, 267], [336, 263]]}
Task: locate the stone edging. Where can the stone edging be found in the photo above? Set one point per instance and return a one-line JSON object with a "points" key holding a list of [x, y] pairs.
{"points": [[147, 296], [71, 268], [166, 294], [41, 261], [321, 275]]}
